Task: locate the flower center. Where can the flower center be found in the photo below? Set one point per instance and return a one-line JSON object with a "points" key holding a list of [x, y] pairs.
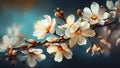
{"points": [[31, 54], [94, 17], [60, 48], [47, 29], [70, 25], [78, 32]]}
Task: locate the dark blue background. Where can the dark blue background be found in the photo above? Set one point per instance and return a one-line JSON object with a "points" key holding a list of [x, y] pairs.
{"points": [[26, 16]]}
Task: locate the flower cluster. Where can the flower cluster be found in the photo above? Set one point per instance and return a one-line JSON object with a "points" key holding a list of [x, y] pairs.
{"points": [[75, 31]]}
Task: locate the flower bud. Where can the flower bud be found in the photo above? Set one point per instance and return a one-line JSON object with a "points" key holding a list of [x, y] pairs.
{"points": [[14, 52], [57, 14], [32, 41], [46, 44], [79, 12]]}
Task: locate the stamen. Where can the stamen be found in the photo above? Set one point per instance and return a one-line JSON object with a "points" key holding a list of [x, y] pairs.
{"points": [[47, 29], [94, 17], [60, 48]]}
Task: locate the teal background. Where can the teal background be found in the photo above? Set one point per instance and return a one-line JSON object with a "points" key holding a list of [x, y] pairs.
{"points": [[26, 17]]}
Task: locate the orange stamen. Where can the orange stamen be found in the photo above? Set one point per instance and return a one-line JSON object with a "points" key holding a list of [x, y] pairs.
{"points": [[94, 17]]}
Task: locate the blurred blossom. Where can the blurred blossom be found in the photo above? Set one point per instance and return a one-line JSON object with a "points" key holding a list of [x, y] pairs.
{"points": [[32, 56], [114, 7], [44, 27], [12, 37]]}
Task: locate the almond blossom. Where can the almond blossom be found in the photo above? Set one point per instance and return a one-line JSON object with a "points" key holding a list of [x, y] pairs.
{"points": [[14, 31], [78, 33], [44, 27], [95, 14], [32, 56], [69, 22], [59, 50], [7, 43], [12, 37], [114, 7]]}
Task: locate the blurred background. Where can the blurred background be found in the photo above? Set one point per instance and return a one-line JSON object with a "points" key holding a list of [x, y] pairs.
{"points": [[26, 12]]}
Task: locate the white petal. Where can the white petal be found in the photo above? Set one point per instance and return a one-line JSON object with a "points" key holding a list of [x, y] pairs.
{"points": [[92, 22], [117, 4], [88, 33], [9, 31], [58, 56], [39, 25], [64, 46], [40, 57], [48, 19], [67, 54], [110, 4], [84, 25], [1, 48], [16, 30], [82, 40], [24, 51], [22, 58], [105, 15], [102, 22], [72, 41], [87, 12], [39, 34], [68, 33], [66, 51], [95, 8], [36, 51], [43, 56], [61, 27], [50, 39], [52, 25], [70, 19], [31, 61], [101, 11], [52, 49], [6, 39], [75, 27], [12, 41]]}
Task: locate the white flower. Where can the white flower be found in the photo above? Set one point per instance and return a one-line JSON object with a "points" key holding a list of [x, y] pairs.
{"points": [[14, 31], [95, 15], [44, 27], [78, 32], [32, 56], [69, 22], [113, 6], [59, 50], [7, 43]]}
